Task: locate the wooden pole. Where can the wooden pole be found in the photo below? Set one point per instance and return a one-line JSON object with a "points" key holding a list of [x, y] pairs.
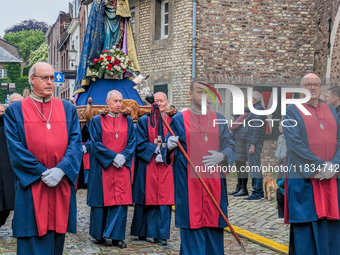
{"points": [[204, 185]]}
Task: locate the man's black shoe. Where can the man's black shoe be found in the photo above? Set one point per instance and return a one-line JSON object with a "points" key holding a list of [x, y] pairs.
{"points": [[160, 241], [238, 187], [100, 241], [119, 244], [142, 238], [243, 192]]}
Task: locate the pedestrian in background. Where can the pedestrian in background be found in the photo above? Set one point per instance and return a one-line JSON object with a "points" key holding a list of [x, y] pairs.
{"points": [[333, 98], [254, 135], [7, 196], [241, 153]]}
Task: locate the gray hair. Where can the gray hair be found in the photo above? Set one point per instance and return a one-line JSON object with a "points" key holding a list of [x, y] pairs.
{"points": [[14, 95], [33, 70], [256, 95], [4, 106], [160, 92], [113, 92]]}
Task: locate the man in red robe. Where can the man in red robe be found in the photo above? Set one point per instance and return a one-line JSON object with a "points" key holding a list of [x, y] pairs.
{"points": [[109, 182], [44, 145], [209, 146], [153, 188], [312, 189]]}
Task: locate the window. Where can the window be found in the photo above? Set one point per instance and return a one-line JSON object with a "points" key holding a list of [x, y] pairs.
{"points": [[3, 73], [161, 88], [164, 19], [227, 101]]}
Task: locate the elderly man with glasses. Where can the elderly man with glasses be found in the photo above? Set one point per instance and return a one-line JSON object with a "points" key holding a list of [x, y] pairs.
{"points": [[313, 188], [44, 145]]}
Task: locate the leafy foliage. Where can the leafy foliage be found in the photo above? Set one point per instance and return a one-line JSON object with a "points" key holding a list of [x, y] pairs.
{"points": [[31, 24], [26, 40], [39, 55], [14, 75]]}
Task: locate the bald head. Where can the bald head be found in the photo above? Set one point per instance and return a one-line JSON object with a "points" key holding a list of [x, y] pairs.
{"points": [[161, 100], [310, 77], [113, 93], [312, 83], [160, 94], [14, 97]]}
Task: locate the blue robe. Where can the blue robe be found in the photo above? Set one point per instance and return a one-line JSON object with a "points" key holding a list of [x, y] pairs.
{"points": [[28, 169], [152, 216], [301, 200], [191, 215], [108, 221]]}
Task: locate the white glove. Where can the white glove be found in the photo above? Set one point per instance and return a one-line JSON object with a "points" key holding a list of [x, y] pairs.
{"points": [[51, 177], [84, 149], [115, 165], [327, 172], [157, 150], [213, 159], [159, 158], [172, 142], [119, 160]]}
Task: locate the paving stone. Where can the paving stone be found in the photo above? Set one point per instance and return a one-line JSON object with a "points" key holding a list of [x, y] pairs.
{"points": [[241, 214]]}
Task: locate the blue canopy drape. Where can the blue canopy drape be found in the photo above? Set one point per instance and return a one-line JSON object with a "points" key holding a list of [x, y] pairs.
{"points": [[98, 91]]}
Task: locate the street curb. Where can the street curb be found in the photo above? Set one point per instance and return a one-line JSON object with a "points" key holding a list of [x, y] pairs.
{"points": [[257, 239], [260, 240]]}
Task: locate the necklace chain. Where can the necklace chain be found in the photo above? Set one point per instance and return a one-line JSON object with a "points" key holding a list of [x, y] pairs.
{"points": [[114, 127], [320, 121], [205, 133], [49, 117]]}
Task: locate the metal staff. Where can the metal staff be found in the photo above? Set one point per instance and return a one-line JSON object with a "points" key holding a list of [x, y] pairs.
{"points": [[204, 185]]}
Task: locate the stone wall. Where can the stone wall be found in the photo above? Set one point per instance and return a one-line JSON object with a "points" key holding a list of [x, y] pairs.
{"points": [[167, 61], [325, 10], [262, 41]]}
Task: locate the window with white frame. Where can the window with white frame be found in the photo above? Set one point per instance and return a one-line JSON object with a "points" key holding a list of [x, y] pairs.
{"points": [[164, 19], [227, 101], [3, 73]]}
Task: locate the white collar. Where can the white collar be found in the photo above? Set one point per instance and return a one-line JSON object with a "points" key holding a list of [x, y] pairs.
{"points": [[113, 115], [40, 99]]}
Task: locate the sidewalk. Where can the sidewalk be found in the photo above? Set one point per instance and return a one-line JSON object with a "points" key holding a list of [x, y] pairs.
{"points": [[257, 217], [81, 243]]}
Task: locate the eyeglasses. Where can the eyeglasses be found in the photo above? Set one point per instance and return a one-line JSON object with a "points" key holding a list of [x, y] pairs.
{"points": [[46, 78], [309, 85]]}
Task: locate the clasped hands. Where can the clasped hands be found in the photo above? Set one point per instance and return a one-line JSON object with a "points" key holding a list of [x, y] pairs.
{"points": [[119, 161], [51, 177], [327, 172]]}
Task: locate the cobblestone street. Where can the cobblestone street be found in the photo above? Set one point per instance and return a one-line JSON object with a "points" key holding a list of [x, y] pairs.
{"points": [[257, 217]]}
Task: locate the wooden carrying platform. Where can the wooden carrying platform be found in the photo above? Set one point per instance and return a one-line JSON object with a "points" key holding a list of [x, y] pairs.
{"points": [[130, 107]]}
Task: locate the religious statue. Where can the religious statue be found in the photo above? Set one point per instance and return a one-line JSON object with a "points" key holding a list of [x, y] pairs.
{"points": [[108, 26]]}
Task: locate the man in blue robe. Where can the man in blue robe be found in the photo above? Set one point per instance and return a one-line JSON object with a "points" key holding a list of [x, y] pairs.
{"points": [[208, 145], [109, 183], [312, 187], [44, 144], [153, 188]]}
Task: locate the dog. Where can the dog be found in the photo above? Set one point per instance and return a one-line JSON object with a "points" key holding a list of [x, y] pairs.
{"points": [[269, 186]]}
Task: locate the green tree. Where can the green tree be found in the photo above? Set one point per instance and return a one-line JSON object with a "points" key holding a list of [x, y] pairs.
{"points": [[26, 40], [39, 55]]}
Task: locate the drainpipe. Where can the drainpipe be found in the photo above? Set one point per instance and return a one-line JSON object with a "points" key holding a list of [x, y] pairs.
{"points": [[194, 16]]}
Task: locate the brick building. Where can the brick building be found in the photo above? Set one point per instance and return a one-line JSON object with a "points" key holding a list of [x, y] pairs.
{"points": [[245, 43], [8, 54], [57, 40]]}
